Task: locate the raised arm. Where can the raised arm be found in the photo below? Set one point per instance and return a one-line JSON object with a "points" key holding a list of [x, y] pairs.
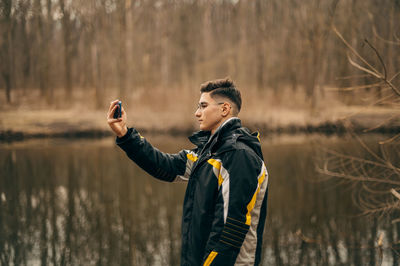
{"points": [[164, 166]]}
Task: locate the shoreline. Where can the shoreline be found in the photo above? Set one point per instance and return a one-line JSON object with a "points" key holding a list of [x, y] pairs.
{"points": [[27, 124], [326, 128]]}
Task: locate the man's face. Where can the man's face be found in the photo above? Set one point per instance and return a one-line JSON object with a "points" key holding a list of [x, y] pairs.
{"points": [[209, 113]]}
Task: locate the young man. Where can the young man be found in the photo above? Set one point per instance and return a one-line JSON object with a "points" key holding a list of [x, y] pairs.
{"points": [[225, 203]]}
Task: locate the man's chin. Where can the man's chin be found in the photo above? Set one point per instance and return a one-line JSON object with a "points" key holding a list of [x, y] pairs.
{"points": [[203, 128]]}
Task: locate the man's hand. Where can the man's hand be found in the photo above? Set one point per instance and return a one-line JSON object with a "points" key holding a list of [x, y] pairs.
{"points": [[118, 125]]}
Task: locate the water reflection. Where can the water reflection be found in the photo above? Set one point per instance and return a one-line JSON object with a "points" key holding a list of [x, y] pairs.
{"points": [[84, 203]]}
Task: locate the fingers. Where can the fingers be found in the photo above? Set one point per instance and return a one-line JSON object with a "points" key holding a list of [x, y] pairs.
{"points": [[114, 120], [112, 104], [111, 111], [116, 123]]}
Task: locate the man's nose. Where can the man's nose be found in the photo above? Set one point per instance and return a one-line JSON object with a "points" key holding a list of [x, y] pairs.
{"points": [[197, 113]]}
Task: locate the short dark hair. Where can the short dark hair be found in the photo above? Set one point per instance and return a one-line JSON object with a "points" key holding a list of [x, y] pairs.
{"points": [[225, 88]]}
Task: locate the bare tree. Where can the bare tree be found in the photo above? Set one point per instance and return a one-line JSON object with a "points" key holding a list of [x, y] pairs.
{"points": [[6, 46], [376, 174], [122, 62], [41, 54], [102, 45], [66, 29]]}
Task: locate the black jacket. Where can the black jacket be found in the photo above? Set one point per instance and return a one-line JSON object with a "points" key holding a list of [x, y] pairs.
{"points": [[225, 203]]}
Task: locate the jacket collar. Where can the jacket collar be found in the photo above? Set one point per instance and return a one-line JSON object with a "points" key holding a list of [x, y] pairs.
{"points": [[202, 138], [227, 124]]}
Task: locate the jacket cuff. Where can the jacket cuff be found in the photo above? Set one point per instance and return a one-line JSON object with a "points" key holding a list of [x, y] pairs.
{"points": [[130, 134]]}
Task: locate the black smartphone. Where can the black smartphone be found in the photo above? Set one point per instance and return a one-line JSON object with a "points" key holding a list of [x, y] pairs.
{"points": [[118, 111]]}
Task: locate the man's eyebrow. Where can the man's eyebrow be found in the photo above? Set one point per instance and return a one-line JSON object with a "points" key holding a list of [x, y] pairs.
{"points": [[203, 102]]}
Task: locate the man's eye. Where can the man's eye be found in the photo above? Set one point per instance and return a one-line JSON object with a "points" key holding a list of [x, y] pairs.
{"points": [[204, 106]]}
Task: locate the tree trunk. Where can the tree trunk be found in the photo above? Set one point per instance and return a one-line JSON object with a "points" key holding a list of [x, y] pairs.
{"points": [[122, 66], [67, 48], [6, 48]]}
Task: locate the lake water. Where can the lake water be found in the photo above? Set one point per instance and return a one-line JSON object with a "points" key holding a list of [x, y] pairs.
{"points": [[83, 202]]}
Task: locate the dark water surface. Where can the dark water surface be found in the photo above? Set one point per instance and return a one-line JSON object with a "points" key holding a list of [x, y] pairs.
{"points": [[82, 202]]}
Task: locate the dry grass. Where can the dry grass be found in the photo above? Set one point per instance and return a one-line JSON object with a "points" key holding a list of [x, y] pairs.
{"points": [[173, 109]]}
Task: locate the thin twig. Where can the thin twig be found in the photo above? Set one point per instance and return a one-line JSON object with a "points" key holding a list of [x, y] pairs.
{"points": [[394, 76], [383, 39], [395, 193], [353, 50], [352, 77], [379, 57], [356, 87], [325, 171], [394, 88], [390, 139], [360, 160], [372, 73], [365, 146], [387, 120]]}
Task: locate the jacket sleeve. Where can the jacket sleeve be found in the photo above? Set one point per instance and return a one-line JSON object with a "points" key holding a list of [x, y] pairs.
{"points": [[243, 179], [163, 166]]}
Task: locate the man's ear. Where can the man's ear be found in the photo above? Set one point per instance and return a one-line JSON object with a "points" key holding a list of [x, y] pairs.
{"points": [[226, 108]]}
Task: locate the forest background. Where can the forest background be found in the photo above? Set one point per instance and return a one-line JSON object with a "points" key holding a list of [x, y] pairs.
{"points": [[63, 61]]}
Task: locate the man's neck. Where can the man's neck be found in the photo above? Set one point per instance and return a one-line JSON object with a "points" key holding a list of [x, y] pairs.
{"points": [[221, 124]]}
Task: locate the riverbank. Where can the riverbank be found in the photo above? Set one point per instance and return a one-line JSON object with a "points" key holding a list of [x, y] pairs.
{"points": [[25, 124]]}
